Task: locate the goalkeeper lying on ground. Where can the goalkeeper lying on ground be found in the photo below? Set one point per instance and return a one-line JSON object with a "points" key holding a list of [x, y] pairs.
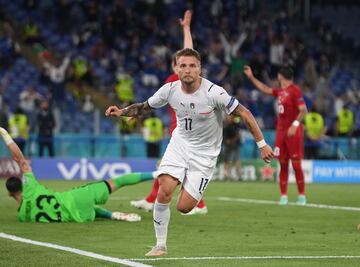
{"points": [[40, 204]]}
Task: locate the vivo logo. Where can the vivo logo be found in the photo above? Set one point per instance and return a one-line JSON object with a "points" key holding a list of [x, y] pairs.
{"points": [[85, 170]]}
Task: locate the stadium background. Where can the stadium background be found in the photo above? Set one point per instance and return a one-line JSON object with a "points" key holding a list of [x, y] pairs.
{"points": [[131, 42]]}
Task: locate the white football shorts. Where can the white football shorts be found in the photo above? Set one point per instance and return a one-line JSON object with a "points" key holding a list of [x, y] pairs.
{"points": [[193, 169]]}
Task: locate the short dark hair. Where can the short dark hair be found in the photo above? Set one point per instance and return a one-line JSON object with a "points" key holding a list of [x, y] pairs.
{"points": [[14, 184], [286, 72], [187, 52]]}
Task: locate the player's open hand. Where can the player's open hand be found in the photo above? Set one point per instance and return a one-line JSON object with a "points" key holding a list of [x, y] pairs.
{"points": [[248, 71], [266, 153], [292, 130], [186, 20], [113, 111]]}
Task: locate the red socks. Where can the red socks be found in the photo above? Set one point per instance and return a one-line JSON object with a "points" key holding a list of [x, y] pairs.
{"points": [[153, 194], [299, 176], [201, 204], [284, 176]]}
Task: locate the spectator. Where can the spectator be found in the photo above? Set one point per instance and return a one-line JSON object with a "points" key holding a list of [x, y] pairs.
{"points": [[19, 128], [153, 131], [88, 105], [323, 94], [345, 122], [29, 101], [56, 72], [310, 72], [127, 125], [82, 74], [237, 69], [231, 146], [314, 132], [124, 88], [232, 46], [83, 71], [31, 33], [46, 124], [276, 54]]}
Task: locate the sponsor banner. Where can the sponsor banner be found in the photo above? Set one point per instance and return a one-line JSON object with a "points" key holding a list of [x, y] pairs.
{"points": [[251, 170], [307, 166], [88, 169], [336, 171]]}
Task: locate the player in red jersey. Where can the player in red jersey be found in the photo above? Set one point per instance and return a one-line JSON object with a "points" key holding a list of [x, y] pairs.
{"points": [[148, 203], [289, 143]]}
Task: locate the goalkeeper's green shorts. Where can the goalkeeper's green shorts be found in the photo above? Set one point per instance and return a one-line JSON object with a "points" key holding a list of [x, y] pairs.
{"points": [[80, 201]]}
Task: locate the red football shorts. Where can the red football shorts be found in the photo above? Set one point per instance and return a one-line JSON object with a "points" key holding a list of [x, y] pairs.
{"points": [[289, 147]]}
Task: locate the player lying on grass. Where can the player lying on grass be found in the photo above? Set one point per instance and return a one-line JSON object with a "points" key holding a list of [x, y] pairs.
{"points": [[40, 204]]}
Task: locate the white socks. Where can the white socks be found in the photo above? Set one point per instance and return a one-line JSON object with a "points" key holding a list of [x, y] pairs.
{"points": [[161, 217]]}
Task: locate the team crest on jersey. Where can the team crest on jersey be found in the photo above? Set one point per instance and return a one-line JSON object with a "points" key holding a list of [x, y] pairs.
{"points": [[192, 105]]}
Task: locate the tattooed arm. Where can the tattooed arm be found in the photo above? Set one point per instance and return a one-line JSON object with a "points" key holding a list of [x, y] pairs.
{"points": [[251, 124], [134, 110]]}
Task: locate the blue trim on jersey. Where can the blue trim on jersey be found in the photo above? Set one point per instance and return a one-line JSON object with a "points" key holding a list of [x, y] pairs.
{"points": [[147, 101], [232, 100]]}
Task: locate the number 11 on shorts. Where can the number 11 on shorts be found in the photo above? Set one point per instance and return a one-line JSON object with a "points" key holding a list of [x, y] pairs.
{"points": [[203, 184]]}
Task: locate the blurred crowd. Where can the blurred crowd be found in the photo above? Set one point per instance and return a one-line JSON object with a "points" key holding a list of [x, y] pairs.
{"points": [[122, 49]]}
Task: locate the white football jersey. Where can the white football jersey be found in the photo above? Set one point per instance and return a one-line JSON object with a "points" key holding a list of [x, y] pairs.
{"points": [[199, 115]]}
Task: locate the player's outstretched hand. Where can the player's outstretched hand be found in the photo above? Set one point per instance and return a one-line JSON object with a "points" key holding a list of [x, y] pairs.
{"points": [[266, 153], [358, 227], [248, 71], [113, 111], [186, 20]]}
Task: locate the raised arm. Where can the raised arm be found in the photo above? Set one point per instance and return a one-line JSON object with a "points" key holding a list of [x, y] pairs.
{"points": [[259, 85], [239, 42], [227, 47], [185, 23], [134, 110], [16, 153], [266, 151]]}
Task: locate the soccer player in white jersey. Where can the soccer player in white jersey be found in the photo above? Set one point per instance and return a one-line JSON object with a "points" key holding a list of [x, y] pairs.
{"points": [[191, 154]]}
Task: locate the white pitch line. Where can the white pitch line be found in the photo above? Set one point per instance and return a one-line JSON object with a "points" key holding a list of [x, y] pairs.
{"points": [[74, 250], [270, 202], [251, 258]]}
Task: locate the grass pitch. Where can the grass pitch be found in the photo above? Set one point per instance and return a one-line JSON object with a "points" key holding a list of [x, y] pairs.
{"points": [[230, 229]]}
